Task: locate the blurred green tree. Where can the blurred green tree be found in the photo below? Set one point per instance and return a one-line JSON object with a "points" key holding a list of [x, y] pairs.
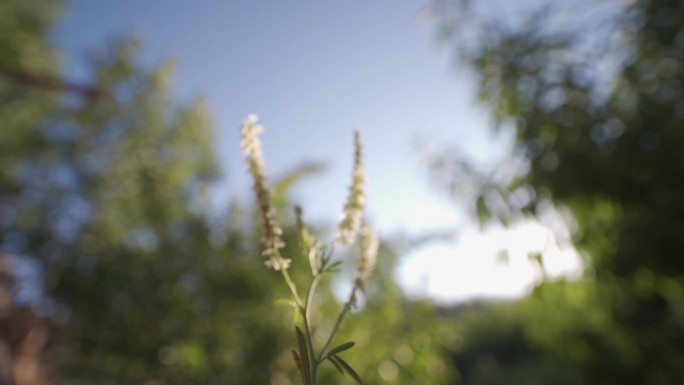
{"points": [[596, 103], [104, 193], [104, 186], [27, 64]]}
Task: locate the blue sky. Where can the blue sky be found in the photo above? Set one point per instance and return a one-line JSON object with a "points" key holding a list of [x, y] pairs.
{"points": [[314, 71]]}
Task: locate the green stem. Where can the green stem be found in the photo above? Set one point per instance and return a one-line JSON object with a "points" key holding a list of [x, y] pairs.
{"points": [[340, 317], [303, 309], [288, 280], [307, 322], [309, 342], [310, 297], [332, 334]]}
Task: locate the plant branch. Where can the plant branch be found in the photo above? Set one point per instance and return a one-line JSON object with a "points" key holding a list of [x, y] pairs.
{"points": [[310, 297], [345, 309]]}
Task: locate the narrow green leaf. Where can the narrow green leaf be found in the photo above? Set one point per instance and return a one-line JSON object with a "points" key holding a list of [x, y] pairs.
{"points": [[304, 355], [340, 348], [323, 261], [333, 267], [325, 256], [348, 369], [337, 366]]}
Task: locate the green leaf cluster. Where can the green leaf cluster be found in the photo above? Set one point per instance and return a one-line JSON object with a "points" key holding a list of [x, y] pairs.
{"points": [[594, 100]]}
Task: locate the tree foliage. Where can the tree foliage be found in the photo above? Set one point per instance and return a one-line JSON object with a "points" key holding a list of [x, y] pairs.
{"points": [[596, 107], [104, 193]]}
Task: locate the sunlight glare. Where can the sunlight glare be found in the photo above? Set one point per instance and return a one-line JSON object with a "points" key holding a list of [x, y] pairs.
{"points": [[494, 263]]}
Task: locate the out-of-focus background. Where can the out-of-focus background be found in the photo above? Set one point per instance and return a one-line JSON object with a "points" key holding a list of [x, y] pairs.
{"points": [[524, 163]]}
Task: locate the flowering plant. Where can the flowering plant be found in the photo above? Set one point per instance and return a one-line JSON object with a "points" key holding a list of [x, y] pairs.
{"points": [[308, 357]]}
